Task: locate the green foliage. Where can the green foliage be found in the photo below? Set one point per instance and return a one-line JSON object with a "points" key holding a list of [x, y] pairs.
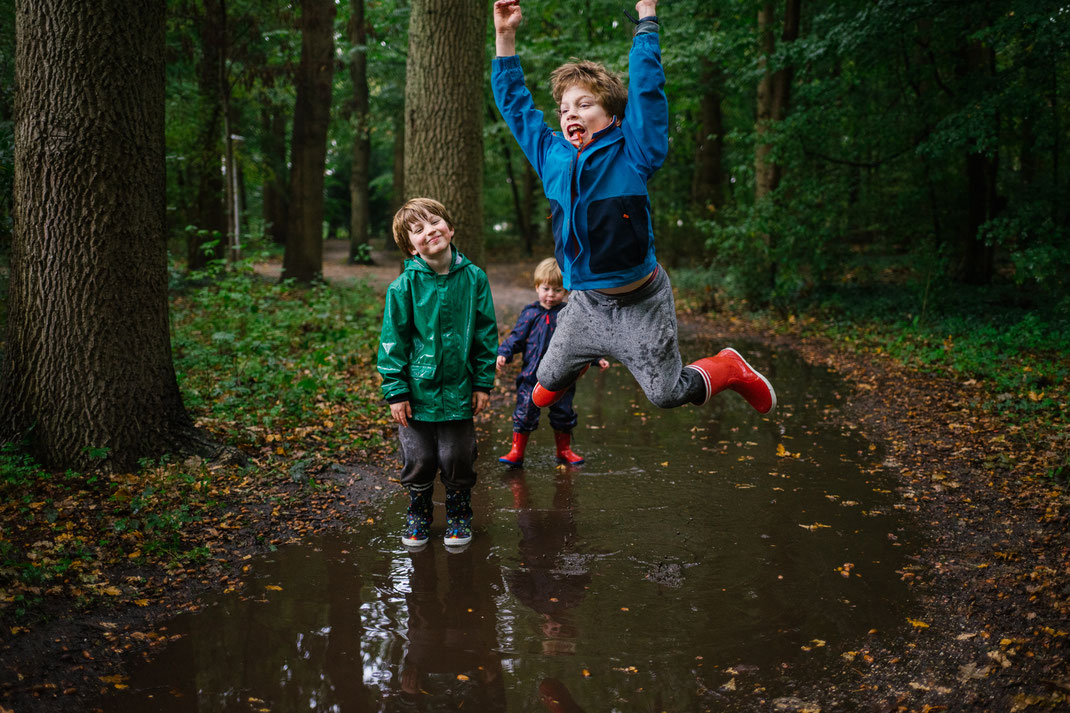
{"points": [[1013, 348], [264, 358]]}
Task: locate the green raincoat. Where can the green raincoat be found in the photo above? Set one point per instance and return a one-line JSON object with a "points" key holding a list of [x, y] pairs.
{"points": [[439, 340]]}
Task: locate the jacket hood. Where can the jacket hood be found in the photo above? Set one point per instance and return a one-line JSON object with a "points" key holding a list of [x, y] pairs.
{"points": [[418, 264]]}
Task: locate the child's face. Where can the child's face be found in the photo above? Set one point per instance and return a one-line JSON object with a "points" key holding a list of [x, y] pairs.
{"points": [[581, 115], [550, 297], [430, 237]]}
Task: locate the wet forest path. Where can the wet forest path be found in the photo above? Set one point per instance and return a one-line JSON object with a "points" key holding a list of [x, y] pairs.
{"points": [[940, 583]]}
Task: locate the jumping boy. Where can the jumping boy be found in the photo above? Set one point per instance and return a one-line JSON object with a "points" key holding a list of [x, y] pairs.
{"points": [[436, 358], [530, 337], [594, 172]]}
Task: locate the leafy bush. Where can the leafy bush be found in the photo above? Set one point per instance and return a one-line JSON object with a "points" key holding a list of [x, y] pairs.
{"points": [[258, 357]]}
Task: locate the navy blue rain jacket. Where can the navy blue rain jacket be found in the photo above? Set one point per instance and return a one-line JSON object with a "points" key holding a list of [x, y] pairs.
{"points": [[531, 336]]}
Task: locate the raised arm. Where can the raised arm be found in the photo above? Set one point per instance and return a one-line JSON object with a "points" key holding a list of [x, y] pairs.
{"points": [[646, 8], [507, 17]]}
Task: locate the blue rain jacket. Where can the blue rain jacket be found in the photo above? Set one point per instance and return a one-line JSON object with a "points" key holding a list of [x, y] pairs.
{"points": [[599, 207]]}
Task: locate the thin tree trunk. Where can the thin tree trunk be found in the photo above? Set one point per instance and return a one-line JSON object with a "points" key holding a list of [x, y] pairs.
{"points": [[774, 95], [211, 219], [399, 161], [443, 103], [522, 222], [707, 183], [87, 374], [303, 259], [360, 207], [978, 257], [527, 204], [273, 123]]}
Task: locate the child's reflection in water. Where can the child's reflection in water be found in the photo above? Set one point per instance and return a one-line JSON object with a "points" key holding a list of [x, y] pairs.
{"points": [[452, 655]]}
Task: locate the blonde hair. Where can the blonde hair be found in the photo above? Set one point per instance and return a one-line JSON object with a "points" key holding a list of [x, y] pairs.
{"points": [[414, 210], [548, 273], [595, 78]]}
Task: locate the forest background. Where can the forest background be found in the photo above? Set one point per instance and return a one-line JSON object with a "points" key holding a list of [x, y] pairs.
{"points": [[892, 175]]}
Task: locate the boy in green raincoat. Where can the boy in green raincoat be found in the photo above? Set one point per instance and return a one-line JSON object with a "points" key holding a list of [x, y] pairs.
{"points": [[436, 356]]}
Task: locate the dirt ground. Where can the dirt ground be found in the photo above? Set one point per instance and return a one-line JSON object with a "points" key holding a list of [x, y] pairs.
{"points": [[993, 582]]}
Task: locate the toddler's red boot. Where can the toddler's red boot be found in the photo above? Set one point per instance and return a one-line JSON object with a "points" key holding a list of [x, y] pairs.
{"points": [[564, 449], [543, 397], [516, 455], [729, 370]]}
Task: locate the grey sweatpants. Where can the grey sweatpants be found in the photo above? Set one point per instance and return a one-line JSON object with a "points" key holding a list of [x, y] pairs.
{"points": [[428, 447], [638, 329]]}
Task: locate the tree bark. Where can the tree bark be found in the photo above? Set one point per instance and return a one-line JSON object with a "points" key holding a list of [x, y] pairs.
{"points": [[273, 122], [443, 112], [359, 201], [211, 216], [87, 367], [303, 258]]}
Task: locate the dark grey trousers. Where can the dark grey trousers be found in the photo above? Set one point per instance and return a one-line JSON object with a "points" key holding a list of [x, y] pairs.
{"points": [[428, 447], [638, 329]]}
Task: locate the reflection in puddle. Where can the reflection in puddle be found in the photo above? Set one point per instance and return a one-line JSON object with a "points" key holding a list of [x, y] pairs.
{"points": [[701, 557]]}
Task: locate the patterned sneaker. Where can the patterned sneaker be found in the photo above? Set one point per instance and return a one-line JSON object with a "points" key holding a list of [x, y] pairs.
{"points": [[458, 517], [418, 518]]}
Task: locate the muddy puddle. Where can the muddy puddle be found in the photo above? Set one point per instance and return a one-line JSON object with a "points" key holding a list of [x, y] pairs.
{"points": [[700, 558]]}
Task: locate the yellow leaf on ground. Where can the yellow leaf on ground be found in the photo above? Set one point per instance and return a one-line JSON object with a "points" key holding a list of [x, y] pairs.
{"points": [[274, 587], [112, 591], [917, 624]]}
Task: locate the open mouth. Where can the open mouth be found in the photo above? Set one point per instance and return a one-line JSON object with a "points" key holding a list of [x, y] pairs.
{"points": [[576, 132]]}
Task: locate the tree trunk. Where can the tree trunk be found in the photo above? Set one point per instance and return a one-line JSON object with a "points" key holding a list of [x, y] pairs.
{"points": [[87, 367], [273, 122], [359, 202], [527, 207], [774, 94], [303, 259], [707, 181], [443, 111], [399, 160], [207, 243]]}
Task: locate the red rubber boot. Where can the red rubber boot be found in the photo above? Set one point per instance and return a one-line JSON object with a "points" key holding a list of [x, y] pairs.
{"points": [[564, 451], [543, 397], [729, 370], [516, 455]]}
